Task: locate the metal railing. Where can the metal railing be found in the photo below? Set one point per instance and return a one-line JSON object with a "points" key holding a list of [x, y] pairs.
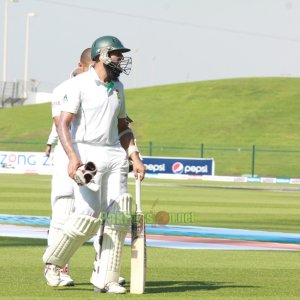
{"points": [[11, 93], [252, 160]]}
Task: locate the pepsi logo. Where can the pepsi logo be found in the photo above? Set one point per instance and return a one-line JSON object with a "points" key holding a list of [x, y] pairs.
{"points": [[177, 168]]}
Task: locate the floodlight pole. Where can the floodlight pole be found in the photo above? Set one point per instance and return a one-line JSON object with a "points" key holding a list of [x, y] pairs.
{"points": [[26, 58], [5, 38]]}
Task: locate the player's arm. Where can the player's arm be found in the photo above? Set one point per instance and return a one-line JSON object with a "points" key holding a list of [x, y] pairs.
{"points": [[66, 141], [128, 143], [56, 122], [48, 149], [51, 140]]}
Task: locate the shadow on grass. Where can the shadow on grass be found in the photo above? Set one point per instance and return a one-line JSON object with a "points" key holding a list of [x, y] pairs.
{"points": [[155, 287], [79, 286]]}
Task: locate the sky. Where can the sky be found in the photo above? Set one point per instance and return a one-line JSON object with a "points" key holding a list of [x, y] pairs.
{"points": [[171, 41]]}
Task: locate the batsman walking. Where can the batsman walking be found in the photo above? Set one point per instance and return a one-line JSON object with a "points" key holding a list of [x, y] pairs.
{"points": [[62, 196], [94, 108]]}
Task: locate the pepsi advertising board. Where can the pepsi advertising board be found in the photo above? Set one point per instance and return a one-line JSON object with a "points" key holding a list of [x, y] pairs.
{"points": [[178, 165]]}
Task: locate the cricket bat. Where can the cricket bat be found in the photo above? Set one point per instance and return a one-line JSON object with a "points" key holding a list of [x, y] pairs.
{"points": [[138, 246]]}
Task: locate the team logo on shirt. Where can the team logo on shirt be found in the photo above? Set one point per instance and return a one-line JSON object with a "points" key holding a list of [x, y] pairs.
{"points": [[55, 103], [65, 99]]}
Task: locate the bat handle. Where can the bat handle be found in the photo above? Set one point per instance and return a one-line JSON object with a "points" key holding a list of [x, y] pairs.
{"points": [[138, 193]]}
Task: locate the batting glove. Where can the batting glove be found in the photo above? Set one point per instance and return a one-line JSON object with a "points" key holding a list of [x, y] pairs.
{"points": [[85, 174]]}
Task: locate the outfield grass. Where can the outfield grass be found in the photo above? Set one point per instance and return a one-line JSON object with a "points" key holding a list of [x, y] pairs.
{"points": [[172, 274], [227, 116], [210, 204]]}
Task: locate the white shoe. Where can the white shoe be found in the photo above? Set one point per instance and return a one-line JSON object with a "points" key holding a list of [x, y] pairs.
{"points": [[65, 277], [122, 281], [56, 277], [111, 288], [93, 280], [66, 280], [52, 275]]}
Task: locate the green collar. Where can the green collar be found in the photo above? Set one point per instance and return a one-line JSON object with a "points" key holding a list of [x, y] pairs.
{"points": [[110, 86]]}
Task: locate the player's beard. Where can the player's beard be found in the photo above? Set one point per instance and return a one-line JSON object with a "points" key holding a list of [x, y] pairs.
{"points": [[113, 72]]}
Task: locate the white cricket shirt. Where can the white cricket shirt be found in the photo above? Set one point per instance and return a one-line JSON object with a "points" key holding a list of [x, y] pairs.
{"points": [[57, 97], [53, 136], [96, 108]]}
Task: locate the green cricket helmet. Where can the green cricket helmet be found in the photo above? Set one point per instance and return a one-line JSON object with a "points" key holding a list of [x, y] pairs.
{"points": [[103, 46]]}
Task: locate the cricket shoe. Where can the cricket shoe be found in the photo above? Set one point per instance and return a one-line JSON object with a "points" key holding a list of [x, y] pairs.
{"points": [[93, 279], [65, 277], [111, 288], [122, 281], [52, 275], [55, 278]]}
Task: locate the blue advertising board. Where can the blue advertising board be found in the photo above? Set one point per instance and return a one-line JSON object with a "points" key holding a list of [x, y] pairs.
{"points": [[179, 165]]}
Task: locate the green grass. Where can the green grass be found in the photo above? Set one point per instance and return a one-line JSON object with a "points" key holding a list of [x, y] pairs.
{"points": [[25, 124], [172, 274], [227, 116], [208, 204], [232, 112]]}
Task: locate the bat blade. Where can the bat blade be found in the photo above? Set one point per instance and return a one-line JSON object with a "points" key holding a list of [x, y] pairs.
{"points": [[138, 255]]}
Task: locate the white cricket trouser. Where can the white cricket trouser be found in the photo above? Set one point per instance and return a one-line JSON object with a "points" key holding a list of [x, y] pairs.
{"points": [[112, 171], [62, 183], [62, 194]]}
